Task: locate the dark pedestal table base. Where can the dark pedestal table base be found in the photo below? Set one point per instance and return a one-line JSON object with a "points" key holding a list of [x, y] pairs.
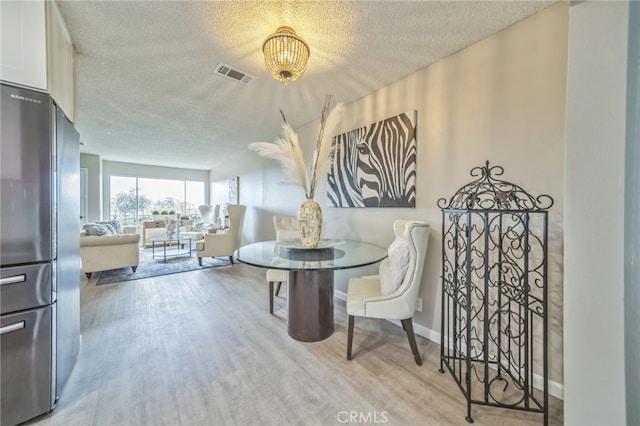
{"points": [[310, 305], [310, 278]]}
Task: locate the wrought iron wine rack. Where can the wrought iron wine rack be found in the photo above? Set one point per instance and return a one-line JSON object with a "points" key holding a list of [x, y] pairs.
{"points": [[494, 293]]}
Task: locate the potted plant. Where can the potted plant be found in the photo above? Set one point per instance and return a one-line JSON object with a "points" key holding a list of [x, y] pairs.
{"points": [[155, 214]]}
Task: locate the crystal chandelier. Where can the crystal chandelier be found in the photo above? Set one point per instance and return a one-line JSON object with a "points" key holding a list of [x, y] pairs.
{"points": [[285, 54]]}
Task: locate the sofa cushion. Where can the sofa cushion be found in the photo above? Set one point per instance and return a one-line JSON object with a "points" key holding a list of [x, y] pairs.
{"points": [[108, 240]]}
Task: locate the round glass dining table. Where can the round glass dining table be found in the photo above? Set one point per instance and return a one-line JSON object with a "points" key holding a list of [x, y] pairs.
{"points": [[310, 278]]}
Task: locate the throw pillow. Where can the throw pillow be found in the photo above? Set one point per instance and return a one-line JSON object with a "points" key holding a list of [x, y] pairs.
{"points": [[110, 228], [393, 270], [117, 226], [197, 227], [95, 229], [114, 223]]}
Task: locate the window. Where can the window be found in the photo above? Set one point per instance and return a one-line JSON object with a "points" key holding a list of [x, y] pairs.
{"points": [[136, 199]]}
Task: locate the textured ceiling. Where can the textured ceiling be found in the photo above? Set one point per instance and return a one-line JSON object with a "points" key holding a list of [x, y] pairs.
{"points": [[147, 92]]}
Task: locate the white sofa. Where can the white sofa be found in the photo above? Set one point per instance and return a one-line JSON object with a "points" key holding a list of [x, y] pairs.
{"points": [[101, 253]]}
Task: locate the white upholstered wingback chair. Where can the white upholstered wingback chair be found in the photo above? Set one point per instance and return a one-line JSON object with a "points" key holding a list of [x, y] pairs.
{"points": [[285, 227], [376, 296], [223, 243]]}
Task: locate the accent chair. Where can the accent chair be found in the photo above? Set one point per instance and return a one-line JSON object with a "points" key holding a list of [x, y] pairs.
{"points": [[393, 293], [223, 243], [286, 227]]}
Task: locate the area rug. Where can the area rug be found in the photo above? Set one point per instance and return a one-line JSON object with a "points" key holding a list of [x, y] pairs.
{"points": [[149, 267]]}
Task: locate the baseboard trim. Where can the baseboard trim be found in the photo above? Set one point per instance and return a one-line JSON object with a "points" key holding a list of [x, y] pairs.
{"points": [[556, 389]]}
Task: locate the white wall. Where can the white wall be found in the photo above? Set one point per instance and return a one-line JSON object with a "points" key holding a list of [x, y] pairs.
{"points": [[250, 194], [594, 208], [632, 226], [249, 168], [93, 164]]}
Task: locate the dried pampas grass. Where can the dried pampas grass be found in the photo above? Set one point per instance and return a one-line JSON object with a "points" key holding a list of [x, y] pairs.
{"points": [[287, 150]]}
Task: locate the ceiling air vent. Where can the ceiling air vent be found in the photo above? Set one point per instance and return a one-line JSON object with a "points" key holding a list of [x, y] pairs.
{"points": [[241, 77]]}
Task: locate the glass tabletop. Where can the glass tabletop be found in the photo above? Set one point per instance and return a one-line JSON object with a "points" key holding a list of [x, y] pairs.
{"points": [[170, 240], [331, 255]]}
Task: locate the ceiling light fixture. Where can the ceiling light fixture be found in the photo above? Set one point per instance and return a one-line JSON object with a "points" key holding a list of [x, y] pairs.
{"points": [[285, 54]]}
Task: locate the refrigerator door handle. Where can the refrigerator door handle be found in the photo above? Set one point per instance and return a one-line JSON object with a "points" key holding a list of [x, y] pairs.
{"points": [[14, 280], [11, 327]]}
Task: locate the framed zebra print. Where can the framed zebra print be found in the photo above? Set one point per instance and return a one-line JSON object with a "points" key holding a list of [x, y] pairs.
{"points": [[375, 165]]}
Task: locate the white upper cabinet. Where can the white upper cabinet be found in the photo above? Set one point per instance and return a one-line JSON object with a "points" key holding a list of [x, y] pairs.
{"points": [[36, 50], [60, 57], [24, 43]]}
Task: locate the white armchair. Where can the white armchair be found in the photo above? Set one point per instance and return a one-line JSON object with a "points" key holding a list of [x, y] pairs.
{"points": [[392, 294], [223, 243]]}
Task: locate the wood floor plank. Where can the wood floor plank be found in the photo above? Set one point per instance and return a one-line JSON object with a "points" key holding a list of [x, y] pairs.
{"points": [[200, 348]]}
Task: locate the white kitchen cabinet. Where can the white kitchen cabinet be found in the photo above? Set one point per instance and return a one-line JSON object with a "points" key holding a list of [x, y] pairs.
{"points": [[60, 57], [36, 50], [24, 43]]}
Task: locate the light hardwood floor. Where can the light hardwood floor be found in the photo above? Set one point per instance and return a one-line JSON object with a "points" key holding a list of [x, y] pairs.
{"points": [[200, 348]]}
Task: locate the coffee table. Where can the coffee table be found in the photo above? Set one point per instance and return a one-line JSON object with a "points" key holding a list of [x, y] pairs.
{"points": [[310, 278], [171, 247]]}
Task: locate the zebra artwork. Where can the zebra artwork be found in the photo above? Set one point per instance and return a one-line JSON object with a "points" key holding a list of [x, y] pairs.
{"points": [[375, 165]]}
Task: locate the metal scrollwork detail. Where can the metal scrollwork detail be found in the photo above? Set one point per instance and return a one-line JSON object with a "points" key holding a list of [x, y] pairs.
{"points": [[488, 193]]}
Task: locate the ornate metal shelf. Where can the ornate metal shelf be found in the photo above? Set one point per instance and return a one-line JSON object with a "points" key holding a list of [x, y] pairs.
{"points": [[494, 299]]}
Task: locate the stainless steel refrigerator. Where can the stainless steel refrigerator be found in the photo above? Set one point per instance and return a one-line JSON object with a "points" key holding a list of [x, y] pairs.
{"points": [[39, 253]]}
